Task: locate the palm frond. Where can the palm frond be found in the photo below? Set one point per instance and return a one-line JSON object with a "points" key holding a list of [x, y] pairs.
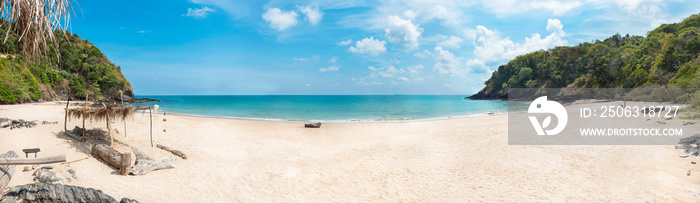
{"points": [[35, 21]]}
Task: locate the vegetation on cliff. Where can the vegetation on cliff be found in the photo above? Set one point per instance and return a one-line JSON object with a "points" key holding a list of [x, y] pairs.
{"points": [[666, 57], [82, 71]]}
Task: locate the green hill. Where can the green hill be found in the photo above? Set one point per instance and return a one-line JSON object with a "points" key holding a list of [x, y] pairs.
{"points": [[82, 71], [667, 57]]}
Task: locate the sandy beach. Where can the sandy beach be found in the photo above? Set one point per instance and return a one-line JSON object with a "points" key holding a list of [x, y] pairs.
{"points": [[455, 160]]}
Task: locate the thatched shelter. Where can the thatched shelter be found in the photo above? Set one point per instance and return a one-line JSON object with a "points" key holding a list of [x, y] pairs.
{"points": [[106, 113]]}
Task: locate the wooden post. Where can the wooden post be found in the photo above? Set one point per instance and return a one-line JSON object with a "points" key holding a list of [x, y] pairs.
{"points": [[65, 121], [109, 130], [83, 126], [121, 95], [150, 114], [125, 166]]}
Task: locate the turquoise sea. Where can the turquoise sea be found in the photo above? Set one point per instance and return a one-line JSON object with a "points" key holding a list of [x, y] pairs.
{"points": [[329, 108]]}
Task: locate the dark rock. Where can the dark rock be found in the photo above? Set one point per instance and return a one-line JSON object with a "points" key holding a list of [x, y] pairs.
{"points": [[72, 173], [689, 145], [127, 200], [45, 176], [49, 122], [487, 95], [47, 167], [12, 124], [41, 192]]}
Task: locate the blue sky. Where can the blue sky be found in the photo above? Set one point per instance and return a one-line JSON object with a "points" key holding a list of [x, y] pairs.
{"points": [[244, 47]]}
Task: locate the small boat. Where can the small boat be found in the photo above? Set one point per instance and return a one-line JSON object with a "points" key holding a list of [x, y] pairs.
{"points": [[313, 125]]}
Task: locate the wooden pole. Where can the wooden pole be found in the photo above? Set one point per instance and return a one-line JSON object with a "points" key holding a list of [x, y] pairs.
{"points": [[125, 166], [109, 130], [83, 126], [31, 161], [121, 95], [65, 122], [75, 161], [150, 114]]}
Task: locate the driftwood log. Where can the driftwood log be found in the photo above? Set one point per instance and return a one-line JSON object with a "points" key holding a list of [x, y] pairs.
{"points": [[174, 151], [144, 166], [6, 171], [108, 154], [313, 125], [30, 161]]}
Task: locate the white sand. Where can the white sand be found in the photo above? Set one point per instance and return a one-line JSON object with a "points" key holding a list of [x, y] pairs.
{"points": [[459, 160]]}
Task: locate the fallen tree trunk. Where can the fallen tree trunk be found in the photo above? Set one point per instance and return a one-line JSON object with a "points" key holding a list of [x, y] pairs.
{"points": [[144, 166], [6, 171], [30, 161], [174, 151], [108, 154]]}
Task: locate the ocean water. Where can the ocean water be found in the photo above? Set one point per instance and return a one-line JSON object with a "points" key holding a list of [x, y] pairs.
{"points": [[329, 108]]}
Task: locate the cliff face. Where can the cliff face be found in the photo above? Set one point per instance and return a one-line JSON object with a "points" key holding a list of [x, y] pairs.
{"points": [[668, 56], [82, 71]]}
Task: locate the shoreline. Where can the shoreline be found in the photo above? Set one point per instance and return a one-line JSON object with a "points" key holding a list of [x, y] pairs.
{"points": [[342, 121]]}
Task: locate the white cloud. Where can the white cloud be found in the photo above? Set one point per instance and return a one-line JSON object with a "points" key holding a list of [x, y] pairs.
{"points": [[450, 14], [331, 68], [446, 63], [415, 70], [556, 7], [403, 32], [369, 46], [554, 25], [307, 84], [423, 54], [411, 14], [334, 59], [453, 42], [313, 14], [280, 20], [492, 48], [344, 43], [391, 74], [314, 57], [199, 12], [390, 71], [476, 66], [634, 4]]}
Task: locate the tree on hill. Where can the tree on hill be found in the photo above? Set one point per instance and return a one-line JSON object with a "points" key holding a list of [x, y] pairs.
{"points": [[668, 56]]}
